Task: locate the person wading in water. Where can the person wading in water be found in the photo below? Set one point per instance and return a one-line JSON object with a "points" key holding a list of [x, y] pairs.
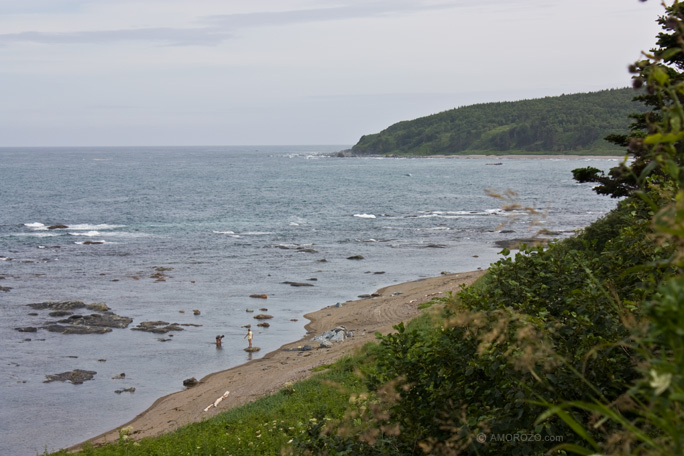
{"points": [[249, 336]]}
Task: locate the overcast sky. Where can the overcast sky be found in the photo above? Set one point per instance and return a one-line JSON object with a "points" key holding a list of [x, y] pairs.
{"points": [[259, 72]]}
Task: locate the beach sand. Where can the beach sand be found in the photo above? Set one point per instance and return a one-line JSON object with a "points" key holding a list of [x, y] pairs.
{"points": [[267, 375]]}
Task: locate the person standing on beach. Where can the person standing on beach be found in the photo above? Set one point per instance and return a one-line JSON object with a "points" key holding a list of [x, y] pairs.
{"points": [[249, 336]]}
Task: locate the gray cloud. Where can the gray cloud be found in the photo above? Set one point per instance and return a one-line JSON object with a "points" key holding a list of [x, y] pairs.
{"points": [[213, 30], [171, 36], [351, 10]]}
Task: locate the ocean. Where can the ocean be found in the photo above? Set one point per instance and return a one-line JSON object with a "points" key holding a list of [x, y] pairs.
{"points": [[186, 234]]}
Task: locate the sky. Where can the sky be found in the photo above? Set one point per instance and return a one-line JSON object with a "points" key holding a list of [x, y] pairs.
{"points": [[286, 72]]}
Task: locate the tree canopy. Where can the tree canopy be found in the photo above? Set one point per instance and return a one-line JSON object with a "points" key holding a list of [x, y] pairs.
{"points": [[576, 123]]}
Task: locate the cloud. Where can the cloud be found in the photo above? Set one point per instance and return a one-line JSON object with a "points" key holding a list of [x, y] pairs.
{"points": [[170, 36], [350, 10], [215, 29]]}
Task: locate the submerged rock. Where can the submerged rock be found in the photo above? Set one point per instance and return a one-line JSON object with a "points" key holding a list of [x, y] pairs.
{"points": [[297, 284], [157, 327], [75, 329], [125, 390], [76, 377], [58, 305], [27, 329]]}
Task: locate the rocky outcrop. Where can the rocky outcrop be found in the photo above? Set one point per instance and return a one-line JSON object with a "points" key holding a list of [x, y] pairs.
{"points": [[337, 334], [190, 382], [76, 323]]}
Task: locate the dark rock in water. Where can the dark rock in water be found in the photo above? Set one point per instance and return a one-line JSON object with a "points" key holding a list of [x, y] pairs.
{"points": [[98, 323], [58, 226], [106, 320], [76, 329], [435, 246], [60, 313], [98, 307], [264, 325], [125, 390], [298, 284], [76, 377], [57, 305], [157, 327], [263, 316], [307, 250], [5, 288], [27, 329], [355, 257], [259, 296], [190, 382], [92, 242]]}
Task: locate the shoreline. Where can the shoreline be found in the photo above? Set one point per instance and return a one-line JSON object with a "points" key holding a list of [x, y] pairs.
{"points": [[264, 376]]}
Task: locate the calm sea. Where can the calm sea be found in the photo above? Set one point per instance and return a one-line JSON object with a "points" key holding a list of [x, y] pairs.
{"points": [[224, 223]]}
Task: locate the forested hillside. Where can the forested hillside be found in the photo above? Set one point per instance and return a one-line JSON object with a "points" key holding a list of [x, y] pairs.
{"points": [[565, 124]]}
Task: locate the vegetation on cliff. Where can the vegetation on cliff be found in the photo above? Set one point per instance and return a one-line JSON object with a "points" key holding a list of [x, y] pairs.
{"points": [[565, 124]]}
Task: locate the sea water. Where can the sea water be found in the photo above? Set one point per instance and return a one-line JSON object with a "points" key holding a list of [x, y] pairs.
{"points": [[222, 223]]}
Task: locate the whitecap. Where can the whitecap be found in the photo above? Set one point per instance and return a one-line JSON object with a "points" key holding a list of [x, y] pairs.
{"points": [[368, 216], [90, 227], [497, 211], [87, 233], [36, 226], [223, 232]]}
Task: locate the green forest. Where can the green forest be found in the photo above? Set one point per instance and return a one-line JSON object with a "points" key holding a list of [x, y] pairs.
{"points": [[575, 347], [566, 124]]}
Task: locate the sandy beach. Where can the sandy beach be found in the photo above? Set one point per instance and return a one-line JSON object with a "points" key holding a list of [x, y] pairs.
{"points": [[264, 376]]}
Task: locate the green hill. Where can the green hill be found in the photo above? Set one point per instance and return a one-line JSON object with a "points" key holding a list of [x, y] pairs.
{"points": [[566, 124]]}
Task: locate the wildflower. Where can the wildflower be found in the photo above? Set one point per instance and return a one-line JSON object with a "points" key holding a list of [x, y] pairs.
{"points": [[660, 382]]}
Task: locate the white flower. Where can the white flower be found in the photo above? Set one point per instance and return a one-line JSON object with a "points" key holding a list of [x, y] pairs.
{"points": [[660, 382]]}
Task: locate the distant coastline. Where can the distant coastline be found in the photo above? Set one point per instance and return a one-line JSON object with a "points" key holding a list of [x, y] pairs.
{"points": [[348, 153]]}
